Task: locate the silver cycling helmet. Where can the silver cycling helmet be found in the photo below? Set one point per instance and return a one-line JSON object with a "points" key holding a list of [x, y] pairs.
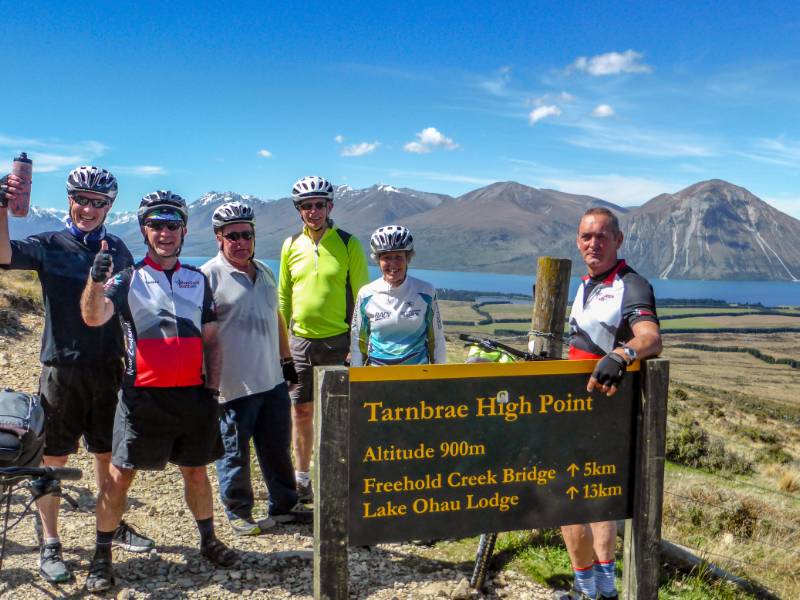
{"points": [[232, 212], [390, 238], [311, 187], [92, 179], [162, 204]]}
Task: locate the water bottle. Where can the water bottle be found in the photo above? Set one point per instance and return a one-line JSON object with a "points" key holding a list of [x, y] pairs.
{"points": [[22, 167]]}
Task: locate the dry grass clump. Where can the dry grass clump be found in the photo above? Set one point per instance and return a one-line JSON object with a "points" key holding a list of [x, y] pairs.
{"points": [[789, 481], [20, 290]]}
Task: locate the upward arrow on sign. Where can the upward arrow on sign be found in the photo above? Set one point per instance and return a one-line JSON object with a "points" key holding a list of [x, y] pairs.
{"points": [[572, 469]]}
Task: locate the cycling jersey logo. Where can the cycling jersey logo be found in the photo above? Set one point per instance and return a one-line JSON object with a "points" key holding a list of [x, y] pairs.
{"points": [[191, 284], [380, 316]]}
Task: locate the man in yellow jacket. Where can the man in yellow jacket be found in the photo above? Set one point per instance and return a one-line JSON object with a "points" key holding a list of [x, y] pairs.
{"points": [[322, 269]]}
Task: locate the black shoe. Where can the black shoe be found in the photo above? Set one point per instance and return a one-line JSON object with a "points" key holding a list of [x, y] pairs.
{"points": [[127, 538], [51, 564], [101, 575], [299, 513], [218, 553], [305, 493]]}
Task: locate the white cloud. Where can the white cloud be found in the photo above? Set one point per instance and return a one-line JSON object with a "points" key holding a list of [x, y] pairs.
{"points": [[537, 114], [360, 149], [639, 143], [416, 148], [603, 111], [497, 84], [612, 63], [338, 139], [54, 155], [265, 153], [430, 138], [139, 170], [566, 97], [44, 162], [777, 151], [619, 189]]}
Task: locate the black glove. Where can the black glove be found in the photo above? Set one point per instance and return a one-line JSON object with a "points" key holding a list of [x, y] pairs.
{"points": [[289, 372], [3, 190], [610, 369], [101, 269]]}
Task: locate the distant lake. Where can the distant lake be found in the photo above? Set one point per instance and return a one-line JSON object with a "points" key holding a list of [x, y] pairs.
{"points": [[768, 293]]}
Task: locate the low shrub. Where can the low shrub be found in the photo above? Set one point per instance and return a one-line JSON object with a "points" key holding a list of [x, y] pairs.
{"points": [[688, 444]]}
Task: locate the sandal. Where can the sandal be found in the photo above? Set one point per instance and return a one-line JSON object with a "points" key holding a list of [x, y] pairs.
{"points": [[218, 553], [101, 575]]}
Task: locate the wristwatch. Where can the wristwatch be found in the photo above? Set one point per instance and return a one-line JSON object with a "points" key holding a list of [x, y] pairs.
{"points": [[630, 353]]}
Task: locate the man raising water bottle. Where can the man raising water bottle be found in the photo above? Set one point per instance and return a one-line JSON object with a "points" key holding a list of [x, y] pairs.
{"points": [[81, 365]]}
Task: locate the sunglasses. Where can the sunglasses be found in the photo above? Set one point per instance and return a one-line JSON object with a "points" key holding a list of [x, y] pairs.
{"points": [[96, 202], [309, 205], [159, 225], [235, 236]]}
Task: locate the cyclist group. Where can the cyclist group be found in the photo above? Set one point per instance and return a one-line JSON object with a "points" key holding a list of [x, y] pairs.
{"points": [[158, 362]]}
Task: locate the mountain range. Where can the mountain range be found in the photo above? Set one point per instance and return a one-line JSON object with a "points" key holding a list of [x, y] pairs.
{"points": [[710, 230]]}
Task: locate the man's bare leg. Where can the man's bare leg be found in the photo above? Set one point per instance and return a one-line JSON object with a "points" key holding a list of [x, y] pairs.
{"points": [[199, 498]]}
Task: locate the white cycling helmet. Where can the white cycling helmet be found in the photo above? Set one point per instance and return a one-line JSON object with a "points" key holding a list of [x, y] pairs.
{"points": [[311, 187], [232, 212], [390, 238], [92, 179]]}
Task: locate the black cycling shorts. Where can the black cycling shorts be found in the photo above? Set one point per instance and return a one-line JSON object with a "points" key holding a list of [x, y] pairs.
{"points": [[79, 401], [154, 426], [309, 353]]}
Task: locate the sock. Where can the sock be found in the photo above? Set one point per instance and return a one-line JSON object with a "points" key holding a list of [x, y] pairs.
{"points": [[102, 546], [302, 477], [584, 581], [604, 575], [52, 540], [206, 529]]}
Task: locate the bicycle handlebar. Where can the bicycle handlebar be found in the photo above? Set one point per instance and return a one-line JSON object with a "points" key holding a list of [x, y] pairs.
{"points": [[61, 473], [494, 345]]}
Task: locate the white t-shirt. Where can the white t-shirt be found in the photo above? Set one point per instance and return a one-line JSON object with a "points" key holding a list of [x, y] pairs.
{"points": [[247, 312]]}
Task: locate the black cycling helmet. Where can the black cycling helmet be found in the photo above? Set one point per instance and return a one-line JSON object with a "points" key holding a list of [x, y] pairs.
{"points": [[161, 204], [311, 187], [92, 179], [232, 212]]}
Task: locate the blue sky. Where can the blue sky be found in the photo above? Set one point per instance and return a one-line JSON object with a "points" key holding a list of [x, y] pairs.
{"points": [[617, 100]]}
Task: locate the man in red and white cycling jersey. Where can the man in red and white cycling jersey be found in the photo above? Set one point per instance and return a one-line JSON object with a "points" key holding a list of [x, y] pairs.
{"points": [[613, 319], [167, 411]]}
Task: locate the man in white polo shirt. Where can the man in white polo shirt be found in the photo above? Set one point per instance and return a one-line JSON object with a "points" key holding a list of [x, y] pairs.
{"points": [[256, 367]]}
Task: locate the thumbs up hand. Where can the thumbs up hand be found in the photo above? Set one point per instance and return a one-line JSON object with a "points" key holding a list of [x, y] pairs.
{"points": [[103, 264]]}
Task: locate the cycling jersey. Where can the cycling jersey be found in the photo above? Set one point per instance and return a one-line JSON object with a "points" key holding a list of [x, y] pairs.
{"points": [[313, 282], [397, 325], [162, 315], [63, 262], [605, 309]]}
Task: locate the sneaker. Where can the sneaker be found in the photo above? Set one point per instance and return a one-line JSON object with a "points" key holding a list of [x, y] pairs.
{"points": [[127, 538], [305, 494], [299, 513], [101, 575], [266, 523], [571, 594], [242, 526], [218, 553], [51, 564]]}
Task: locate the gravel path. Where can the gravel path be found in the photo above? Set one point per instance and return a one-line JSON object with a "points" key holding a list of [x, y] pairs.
{"points": [[277, 564]]}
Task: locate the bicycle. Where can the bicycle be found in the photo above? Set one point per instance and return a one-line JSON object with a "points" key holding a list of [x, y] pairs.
{"points": [[40, 481], [488, 350]]}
